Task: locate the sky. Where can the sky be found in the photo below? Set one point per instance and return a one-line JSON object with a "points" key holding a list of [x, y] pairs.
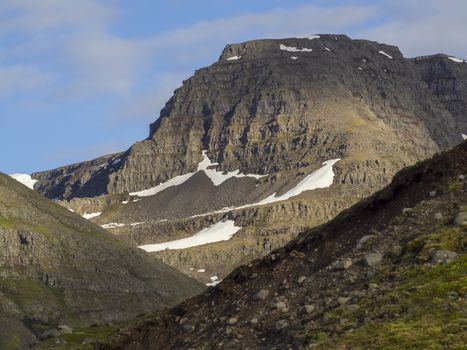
{"points": [[81, 79]]}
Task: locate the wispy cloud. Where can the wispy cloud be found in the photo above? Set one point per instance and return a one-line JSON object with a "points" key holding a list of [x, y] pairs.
{"points": [[423, 27]]}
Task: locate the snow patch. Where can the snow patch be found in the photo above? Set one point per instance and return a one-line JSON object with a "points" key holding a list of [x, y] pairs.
{"points": [[385, 54], [234, 58], [321, 178], [311, 37], [294, 57], [327, 49], [177, 180], [455, 59], [25, 179], [71, 210], [293, 49], [136, 223], [201, 270], [217, 177], [214, 281], [464, 137], [221, 231], [360, 68], [125, 202], [91, 215], [112, 225]]}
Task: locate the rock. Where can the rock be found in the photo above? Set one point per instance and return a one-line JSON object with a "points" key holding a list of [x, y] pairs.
{"points": [[361, 242], [407, 210], [261, 295], [433, 193], [296, 325], [51, 333], [343, 300], [309, 308], [342, 264], [281, 306], [353, 307], [301, 279], [188, 328], [64, 329], [231, 321], [460, 219], [438, 216], [282, 324], [443, 256], [372, 259]]}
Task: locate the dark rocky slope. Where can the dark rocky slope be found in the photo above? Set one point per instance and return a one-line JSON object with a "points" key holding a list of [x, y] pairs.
{"points": [[57, 268], [388, 273]]}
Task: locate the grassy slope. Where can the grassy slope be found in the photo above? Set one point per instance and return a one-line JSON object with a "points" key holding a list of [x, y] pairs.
{"points": [[425, 311]]}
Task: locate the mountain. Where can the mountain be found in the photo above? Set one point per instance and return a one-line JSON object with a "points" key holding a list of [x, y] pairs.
{"points": [[60, 270], [388, 273], [239, 140]]}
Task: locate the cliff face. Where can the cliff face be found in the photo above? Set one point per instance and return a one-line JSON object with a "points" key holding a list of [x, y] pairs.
{"points": [[287, 104], [57, 268]]}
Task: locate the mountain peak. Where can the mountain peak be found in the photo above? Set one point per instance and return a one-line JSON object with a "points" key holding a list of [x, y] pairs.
{"points": [[313, 45]]}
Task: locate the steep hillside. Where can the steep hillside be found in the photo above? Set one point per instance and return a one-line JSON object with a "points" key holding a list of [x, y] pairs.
{"points": [[60, 270], [252, 127], [388, 273]]}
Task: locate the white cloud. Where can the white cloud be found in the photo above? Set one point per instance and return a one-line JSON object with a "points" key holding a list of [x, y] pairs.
{"points": [[146, 105], [21, 79], [423, 27]]}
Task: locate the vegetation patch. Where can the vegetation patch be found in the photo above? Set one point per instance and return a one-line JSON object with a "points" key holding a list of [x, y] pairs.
{"points": [[429, 313]]}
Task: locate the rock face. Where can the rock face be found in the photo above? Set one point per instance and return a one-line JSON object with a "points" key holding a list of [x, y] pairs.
{"points": [[266, 112], [358, 306], [280, 110], [58, 270]]}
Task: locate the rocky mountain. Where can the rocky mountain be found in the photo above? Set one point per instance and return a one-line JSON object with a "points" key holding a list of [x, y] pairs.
{"points": [[388, 273], [59, 271], [239, 140]]}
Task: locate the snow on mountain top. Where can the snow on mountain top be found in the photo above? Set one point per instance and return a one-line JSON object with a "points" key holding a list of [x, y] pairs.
{"points": [[311, 37], [385, 54], [25, 179], [293, 49], [221, 231], [457, 60]]}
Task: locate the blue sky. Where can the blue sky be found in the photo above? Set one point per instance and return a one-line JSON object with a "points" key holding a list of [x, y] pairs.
{"points": [[79, 79]]}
